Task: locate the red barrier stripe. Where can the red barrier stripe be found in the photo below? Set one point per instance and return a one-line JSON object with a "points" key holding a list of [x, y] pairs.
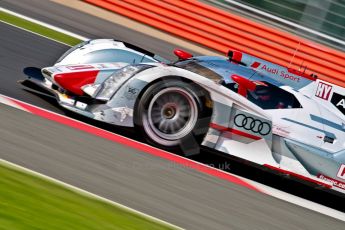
{"points": [[320, 52], [222, 30], [221, 16], [133, 144], [150, 19], [189, 24]]}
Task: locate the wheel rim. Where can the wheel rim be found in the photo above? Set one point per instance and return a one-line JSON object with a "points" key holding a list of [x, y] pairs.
{"points": [[171, 115]]}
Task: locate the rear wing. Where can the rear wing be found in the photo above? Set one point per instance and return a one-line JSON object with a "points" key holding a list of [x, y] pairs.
{"points": [[326, 94]]}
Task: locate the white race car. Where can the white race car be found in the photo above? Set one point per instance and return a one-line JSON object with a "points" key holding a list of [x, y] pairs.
{"points": [[278, 118]]}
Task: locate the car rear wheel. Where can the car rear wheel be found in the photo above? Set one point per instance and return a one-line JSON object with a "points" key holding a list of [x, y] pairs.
{"points": [[170, 115]]}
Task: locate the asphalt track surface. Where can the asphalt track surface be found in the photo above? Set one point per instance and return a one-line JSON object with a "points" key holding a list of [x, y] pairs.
{"points": [[175, 194]]}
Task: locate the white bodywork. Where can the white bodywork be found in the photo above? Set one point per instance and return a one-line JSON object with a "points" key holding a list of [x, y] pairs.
{"points": [[81, 54], [307, 142]]}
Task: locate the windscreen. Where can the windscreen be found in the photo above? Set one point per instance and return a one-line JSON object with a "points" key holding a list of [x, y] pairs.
{"points": [[114, 55]]}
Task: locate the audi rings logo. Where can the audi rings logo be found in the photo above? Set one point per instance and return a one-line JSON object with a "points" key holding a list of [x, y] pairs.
{"points": [[252, 124]]}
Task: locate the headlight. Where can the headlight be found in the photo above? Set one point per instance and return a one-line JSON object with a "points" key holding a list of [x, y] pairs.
{"points": [[114, 81]]}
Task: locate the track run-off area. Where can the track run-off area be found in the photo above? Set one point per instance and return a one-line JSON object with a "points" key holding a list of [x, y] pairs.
{"points": [[161, 186]]}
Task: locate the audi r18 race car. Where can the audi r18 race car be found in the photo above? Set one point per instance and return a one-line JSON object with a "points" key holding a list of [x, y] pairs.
{"points": [[275, 117]]}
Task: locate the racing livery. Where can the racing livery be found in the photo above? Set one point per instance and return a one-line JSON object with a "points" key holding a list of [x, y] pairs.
{"points": [[278, 118]]}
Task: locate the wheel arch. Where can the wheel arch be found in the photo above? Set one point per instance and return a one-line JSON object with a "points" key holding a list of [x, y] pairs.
{"points": [[203, 100], [206, 101]]}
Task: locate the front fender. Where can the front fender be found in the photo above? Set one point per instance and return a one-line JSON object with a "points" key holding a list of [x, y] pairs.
{"points": [[120, 108]]}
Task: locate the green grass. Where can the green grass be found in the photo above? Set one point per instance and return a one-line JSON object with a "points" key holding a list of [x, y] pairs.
{"points": [[22, 23], [31, 202]]}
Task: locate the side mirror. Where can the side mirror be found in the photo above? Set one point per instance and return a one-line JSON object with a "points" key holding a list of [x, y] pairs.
{"points": [[244, 84], [182, 55]]}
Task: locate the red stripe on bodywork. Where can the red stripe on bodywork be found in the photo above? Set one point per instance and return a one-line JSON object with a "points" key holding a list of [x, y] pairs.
{"points": [[134, 144], [298, 176], [234, 131], [243, 134], [73, 81]]}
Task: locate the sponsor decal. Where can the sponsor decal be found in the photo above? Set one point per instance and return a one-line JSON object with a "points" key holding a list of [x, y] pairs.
{"points": [[251, 124], [339, 101], [269, 70], [335, 182], [288, 76], [255, 65], [323, 91], [341, 172], [131, 92], [280, 73]]}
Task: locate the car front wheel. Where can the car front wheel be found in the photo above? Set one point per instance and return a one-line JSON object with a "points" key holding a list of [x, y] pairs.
{"points": [[169, 114]]}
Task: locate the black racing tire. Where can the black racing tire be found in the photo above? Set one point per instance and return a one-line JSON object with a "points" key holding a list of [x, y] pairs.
{"points": [[172, 115]]}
